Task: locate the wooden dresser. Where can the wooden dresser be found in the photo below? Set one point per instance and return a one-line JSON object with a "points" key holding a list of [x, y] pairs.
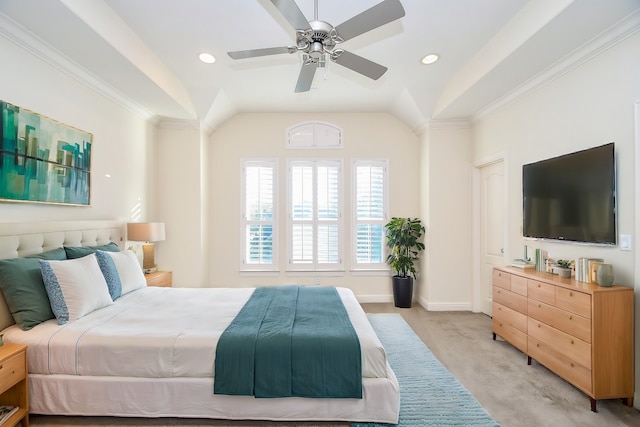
{"points": [[581, 331]]}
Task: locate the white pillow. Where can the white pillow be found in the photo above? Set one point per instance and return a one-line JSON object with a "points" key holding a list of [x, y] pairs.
{"points": [[76, 287], [129, 270]]}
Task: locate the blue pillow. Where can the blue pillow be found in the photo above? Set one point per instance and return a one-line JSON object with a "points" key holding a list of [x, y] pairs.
{"points": [[110, 273], [23, 288], [74, 252]]}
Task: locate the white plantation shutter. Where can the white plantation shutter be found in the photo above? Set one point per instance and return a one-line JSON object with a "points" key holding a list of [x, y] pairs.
{"points": [[370, 212], [315, 215], [258, 215]]}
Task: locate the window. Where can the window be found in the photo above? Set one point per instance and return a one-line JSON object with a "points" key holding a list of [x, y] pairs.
{"points": [[369, 194], [314, 135], [259, 242], [315, 229]]}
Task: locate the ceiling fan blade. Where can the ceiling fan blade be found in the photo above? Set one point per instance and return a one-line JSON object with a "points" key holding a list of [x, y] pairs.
{"points": [[242, 54], [290, 10], [306, 77], [359, 64], [378, 15]]}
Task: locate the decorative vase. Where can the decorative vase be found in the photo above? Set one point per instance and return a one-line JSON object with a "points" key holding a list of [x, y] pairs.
{"points": [[605, 275], [564, 272]]}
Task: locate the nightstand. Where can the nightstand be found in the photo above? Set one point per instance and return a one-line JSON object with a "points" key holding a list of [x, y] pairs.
{"points": [[159, 278], [14, 385]]}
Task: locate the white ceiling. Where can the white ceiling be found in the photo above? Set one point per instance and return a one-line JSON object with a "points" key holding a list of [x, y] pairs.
{"points": [[143, 53]]}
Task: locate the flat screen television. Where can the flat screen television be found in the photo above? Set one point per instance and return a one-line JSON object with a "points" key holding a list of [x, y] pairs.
{"points": [[571, 197]]}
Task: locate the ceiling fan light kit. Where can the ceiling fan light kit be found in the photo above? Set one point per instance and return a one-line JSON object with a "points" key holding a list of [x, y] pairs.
{"points": [[317, 39]]}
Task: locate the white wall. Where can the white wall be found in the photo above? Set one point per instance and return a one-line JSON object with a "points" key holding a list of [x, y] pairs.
{"points": [[446, 206], [589, 106], [120, 139], [263, 136], [181, 203]]}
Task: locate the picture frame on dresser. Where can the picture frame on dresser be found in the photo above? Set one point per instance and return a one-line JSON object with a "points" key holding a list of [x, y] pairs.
{"points": [[580, 331]]}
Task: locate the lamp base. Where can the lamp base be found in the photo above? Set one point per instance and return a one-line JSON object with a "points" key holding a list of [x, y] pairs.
{"points": [[148, 261]]}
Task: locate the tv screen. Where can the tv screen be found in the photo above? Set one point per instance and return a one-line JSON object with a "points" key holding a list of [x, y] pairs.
{"points": [[571, 197]]}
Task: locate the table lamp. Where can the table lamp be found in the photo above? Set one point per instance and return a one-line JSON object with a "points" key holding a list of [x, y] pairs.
{"points": [[147, 232]]}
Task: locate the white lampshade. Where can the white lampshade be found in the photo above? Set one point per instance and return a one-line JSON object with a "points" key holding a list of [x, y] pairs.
{"points": [[145, 231]]}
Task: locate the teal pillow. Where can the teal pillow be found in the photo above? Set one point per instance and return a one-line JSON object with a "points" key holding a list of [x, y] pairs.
{"points": [[23, 288], [74, 252]]}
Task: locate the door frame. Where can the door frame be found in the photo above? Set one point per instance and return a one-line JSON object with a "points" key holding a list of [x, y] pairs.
{"points": [[476, 248]]}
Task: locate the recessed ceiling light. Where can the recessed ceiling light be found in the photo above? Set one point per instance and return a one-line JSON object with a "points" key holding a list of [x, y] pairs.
{"points": [[430, 59], [207, 58]]}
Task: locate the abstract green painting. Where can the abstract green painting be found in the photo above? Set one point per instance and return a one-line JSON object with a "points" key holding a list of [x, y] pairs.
{"points": [[42, 160]]}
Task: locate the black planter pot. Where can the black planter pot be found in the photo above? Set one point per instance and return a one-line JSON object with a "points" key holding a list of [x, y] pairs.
{"points": [[402, 291]]}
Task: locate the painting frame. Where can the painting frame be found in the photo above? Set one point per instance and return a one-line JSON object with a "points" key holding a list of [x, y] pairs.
{"points": [[43, 160]]}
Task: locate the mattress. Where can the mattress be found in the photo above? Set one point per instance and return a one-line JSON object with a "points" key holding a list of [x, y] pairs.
{"points": [[158, 332]]}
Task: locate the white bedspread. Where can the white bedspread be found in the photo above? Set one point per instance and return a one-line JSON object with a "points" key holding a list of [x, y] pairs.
{"points": [[160, 333]]}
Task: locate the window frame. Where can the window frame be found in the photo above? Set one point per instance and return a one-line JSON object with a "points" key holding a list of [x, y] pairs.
{"points": [[244, 222], [315, 266], [362, 266]]}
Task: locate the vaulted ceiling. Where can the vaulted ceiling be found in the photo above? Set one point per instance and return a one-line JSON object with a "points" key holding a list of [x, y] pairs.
{"points": [[144, 53]]}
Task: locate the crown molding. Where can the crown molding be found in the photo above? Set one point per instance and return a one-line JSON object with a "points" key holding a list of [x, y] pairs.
{"points": [[183, 124], [449, 124], [599, 44], [179, 124], [17, 34]]}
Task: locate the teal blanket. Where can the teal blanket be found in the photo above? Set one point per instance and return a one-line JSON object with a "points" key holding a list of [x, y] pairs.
{"points": [[290, 341]]}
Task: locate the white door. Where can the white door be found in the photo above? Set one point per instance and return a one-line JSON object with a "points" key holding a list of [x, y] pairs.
{"points": [[491, 228]]}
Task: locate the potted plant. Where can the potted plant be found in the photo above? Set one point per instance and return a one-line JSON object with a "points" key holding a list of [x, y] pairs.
{"points": [[403, 235], [563, 267]]}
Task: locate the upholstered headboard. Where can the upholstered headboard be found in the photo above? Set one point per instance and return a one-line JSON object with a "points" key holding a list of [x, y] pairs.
{"points": [[23, 239]]}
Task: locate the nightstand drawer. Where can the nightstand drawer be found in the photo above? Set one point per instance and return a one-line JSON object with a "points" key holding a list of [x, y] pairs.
{"points": [[12, 371]]}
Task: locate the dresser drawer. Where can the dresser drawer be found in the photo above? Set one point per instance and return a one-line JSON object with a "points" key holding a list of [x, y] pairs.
{"points": [[510, 317], [575, 302], [519, 285], [12, 370], [541, 291], [572, 347], [560, 364], [501, 279], [563, 320], [510, 299], [516, 338]]}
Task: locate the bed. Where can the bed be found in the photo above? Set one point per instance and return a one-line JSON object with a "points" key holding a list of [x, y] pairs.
{"points": [[151, 352]]}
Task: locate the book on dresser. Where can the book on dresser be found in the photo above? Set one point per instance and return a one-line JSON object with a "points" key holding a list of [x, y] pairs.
{"points": [[580, 331]]}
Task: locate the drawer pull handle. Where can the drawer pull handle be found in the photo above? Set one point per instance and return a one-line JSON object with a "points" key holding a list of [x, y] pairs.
{"points": [[539, 306], [572, 364], [571, 341], [539, 285], [570, 317], [537, 345], [570, 294]]}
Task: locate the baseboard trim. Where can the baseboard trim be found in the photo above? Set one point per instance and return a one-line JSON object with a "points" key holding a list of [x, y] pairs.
{"points": [[374, 298], [445, 306], [430, 306]]}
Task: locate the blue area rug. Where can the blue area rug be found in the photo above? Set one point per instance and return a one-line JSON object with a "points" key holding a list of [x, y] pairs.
{"points": [[429, 394]]}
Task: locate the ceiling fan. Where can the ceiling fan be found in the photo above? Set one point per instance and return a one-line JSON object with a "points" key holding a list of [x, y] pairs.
{"points": [[317, 38]]}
